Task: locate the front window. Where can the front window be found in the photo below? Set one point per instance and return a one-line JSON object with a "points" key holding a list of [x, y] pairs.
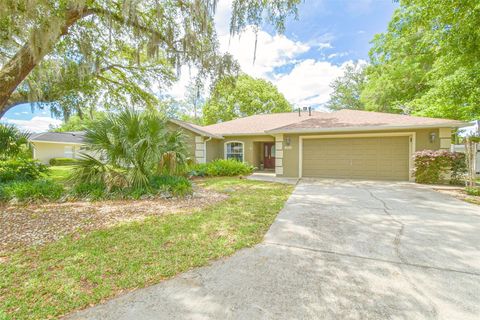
{"points": [[234, 150], [69, 152]]}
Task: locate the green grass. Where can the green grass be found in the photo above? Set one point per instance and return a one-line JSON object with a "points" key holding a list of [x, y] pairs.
{"points": [[70, 274], [60, 173]]}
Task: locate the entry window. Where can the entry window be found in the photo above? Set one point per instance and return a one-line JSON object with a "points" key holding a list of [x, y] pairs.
{"points": [[234, 150], [68, 152]]}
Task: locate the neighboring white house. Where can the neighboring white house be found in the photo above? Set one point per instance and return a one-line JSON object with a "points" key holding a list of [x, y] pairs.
{"points": [[48, 145]]}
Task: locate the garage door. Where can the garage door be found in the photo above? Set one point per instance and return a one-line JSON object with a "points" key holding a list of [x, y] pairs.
{"points": [[383, 158]]}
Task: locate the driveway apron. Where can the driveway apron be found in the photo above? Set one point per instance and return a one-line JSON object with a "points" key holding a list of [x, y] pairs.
{"points": [[339, 249]]}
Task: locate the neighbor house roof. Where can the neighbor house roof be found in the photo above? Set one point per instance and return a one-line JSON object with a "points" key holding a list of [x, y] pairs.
{"points": [[76, 137], [342, 120]]}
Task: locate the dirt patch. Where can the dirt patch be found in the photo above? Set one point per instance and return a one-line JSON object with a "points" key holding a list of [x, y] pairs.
{"points": [[25, 225], [460, 193]]}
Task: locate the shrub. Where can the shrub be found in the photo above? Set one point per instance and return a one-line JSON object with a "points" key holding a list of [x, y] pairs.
{"points": [[91, 191], [222, 167], [29, 191], [473, 191], [176, 185], [21, 169], [434, 166], [173, 185], [62, 161]]}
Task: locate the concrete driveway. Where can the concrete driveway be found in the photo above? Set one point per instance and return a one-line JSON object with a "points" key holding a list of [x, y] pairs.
{"points": [[338, 250]]}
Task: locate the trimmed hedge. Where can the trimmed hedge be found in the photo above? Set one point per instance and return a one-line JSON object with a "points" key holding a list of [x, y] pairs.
{"points": [[21, 169], [433, 167], [62, 161], [222, 167]]}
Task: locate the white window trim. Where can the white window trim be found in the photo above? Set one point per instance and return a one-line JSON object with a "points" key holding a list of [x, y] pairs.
{"points": [[234, 141]]}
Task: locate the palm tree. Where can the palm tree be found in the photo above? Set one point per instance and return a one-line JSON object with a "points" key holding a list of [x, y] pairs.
{"points": [[131, 144], [12, 141]]}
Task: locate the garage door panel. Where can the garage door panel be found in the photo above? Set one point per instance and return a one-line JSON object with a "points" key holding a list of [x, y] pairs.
{"points": [[367, 158]]}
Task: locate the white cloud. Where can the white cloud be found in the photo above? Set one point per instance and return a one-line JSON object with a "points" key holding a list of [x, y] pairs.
{"points": [[272, 51], [309, 82], [36, 124]]}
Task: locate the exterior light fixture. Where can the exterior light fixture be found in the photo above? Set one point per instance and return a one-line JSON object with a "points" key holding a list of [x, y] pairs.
{"points": [[433, 137], [287, 141]]}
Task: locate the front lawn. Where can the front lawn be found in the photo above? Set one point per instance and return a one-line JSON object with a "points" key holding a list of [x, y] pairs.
{"points": [[60, 174], [81, 270]]}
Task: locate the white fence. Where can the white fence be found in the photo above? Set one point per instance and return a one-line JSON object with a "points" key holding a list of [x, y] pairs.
{"points": [[461, 148]]}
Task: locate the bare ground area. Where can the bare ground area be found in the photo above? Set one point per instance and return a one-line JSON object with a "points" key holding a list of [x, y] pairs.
{"points": [[33, 224], [459, 193]]}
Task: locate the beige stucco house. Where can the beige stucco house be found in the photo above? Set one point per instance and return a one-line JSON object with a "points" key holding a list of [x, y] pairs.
{"points": [[341, 144], [48, 145]]}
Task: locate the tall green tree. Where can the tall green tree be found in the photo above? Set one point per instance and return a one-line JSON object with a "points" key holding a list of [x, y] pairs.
{"points": [[245, 96], [427, 62], [73, 53], [77, 123], [348, 88]]}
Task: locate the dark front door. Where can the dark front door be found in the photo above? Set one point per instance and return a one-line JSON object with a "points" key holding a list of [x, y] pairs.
{"points": [[269, 155]]}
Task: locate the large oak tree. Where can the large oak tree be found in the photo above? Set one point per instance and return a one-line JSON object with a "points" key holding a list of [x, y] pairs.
{"points": [[76, 54]]}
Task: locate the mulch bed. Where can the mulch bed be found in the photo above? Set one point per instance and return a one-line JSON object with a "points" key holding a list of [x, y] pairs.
{"points": [[34, 224]]}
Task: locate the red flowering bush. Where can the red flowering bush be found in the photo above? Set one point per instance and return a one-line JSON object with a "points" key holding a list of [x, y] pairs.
{"points": [[439, 166]]}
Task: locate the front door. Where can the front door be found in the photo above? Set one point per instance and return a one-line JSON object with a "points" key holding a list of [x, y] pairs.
{"points": [[269, 155]]}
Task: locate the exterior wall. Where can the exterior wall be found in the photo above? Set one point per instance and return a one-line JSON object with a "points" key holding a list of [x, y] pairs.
{"points": [[422, 142], [214, 149], [189, 137], [45, 151], [251, 150]]}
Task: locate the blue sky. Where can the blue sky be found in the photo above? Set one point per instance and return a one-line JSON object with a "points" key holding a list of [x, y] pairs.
{"points": [[313, 51]]}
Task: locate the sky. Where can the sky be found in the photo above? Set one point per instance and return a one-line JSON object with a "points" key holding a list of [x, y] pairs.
{"points": [[302, 62]]}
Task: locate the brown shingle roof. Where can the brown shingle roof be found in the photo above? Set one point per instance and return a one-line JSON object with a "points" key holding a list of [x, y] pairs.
{"points": [[353, 119], [323, 121], [257, 124]]}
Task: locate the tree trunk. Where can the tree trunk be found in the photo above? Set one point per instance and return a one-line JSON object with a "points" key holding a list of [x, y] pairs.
{"points": [[23, 62], [470, 157]]}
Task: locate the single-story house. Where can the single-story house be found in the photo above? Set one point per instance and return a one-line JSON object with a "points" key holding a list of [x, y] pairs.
{"points": [[48, 145], [341, 144]]}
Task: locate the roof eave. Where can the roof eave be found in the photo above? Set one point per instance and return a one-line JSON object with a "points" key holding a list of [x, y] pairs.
{"points": [[453, 124], [195, 130], [57, 142]]}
